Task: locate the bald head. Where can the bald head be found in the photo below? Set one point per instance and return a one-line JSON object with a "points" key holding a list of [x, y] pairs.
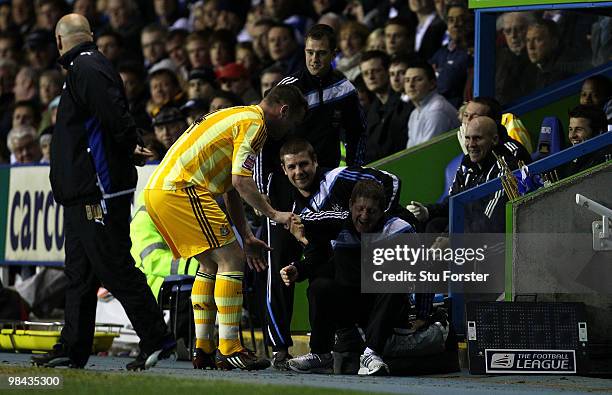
{"points": [[72, 30], [480, 138]]}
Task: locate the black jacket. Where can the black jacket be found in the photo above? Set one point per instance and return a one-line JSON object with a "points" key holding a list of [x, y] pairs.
{"points": [[95, 136], [387, 127], [486, 215], [333, 112]]}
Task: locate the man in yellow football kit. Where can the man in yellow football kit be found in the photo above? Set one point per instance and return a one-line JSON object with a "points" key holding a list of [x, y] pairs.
{"points": [[215, 156]]}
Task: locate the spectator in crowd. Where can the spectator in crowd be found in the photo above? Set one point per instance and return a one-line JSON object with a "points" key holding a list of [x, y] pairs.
{"points": [[231, 16], [452, 61], [234, 78], [175, 48], [10, 44], [45, 148], [110, 44], [283, 11], [40, 51], [397, 69], [8, 71], [489, 107], [433, 114], [222, 99], [253, 15], [23, 15], [22, 142], [204, 15], [352, 40], [399, 38], [48, 12], [51, 113], [270, 77], [169, 14], [366, 98], [333, 113], [586, 122], [134, 82], [222, 48], [477, 167], [597, 91], [6, 24], [511, 61], [388, 115], [168, 125], [165, 89], [259, 35], [123, 18], [430, 29], [89, 9], [26, 84], [284, 49], [245, 56], [152, 40], [330, 19], [376, 40], [193, 109], [49, 86], [548, 64], [601, 45], [202, 84], [26, 112], [197, 48]]}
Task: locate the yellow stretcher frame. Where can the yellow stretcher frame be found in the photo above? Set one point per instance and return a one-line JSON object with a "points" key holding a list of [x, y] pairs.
{"points": [[33, 336]]}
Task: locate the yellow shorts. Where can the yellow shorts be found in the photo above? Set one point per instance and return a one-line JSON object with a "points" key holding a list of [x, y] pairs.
{"points": [[189, 219]]}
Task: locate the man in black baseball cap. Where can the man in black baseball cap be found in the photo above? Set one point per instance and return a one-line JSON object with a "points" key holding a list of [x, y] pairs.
{"points": [[168, 125], [202, 84]]}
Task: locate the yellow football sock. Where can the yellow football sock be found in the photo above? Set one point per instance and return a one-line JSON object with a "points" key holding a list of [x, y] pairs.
{"points": [[228, 296], [204, 311]]}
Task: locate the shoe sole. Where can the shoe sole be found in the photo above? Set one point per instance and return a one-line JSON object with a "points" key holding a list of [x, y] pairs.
{"points": [[312, 371], [157, 356], [379, 372]]}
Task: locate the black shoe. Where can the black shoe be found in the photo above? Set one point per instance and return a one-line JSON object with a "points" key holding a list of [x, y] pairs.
{"points": [[245, 360], [280, 359], [202, 360], [55, 358], [146, 360]]}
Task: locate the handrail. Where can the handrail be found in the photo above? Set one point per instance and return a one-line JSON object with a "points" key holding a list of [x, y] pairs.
{"points": [[457, 202]]}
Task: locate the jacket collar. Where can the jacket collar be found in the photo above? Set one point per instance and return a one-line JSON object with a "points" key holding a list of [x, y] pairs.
{"points": [[69, 56]]}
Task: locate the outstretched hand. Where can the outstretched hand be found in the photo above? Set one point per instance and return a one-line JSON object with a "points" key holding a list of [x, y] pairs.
{"points": [[289, 274], [142, 155], [255, 251], [296, 227]]}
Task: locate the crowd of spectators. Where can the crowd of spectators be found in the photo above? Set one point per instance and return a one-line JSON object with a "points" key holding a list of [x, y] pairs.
{"points": [[410, 61]]}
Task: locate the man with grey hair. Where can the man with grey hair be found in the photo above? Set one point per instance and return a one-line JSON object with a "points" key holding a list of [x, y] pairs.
{"points": [[94, 149], [22, 142], [511, 61]]}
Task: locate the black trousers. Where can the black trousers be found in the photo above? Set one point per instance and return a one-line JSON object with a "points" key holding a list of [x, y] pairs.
{"points": [[334, 307], [99, 254], [278, 298]]}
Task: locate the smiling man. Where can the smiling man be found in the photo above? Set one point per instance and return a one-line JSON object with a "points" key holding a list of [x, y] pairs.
{"points": [[322, 199], [333, 111]]}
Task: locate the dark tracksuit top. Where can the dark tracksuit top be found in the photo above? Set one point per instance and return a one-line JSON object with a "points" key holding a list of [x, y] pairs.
{"points": [[95, 136]]}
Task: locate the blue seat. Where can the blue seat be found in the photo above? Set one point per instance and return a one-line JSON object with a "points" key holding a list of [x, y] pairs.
{"points": [[551, 138]]}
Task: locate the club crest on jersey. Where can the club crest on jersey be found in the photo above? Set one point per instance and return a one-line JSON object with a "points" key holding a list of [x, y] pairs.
{"points": [[224, 231], [249, 162]]}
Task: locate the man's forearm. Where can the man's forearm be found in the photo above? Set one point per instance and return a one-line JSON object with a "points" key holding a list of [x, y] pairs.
{"points": [[248, 191]]}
